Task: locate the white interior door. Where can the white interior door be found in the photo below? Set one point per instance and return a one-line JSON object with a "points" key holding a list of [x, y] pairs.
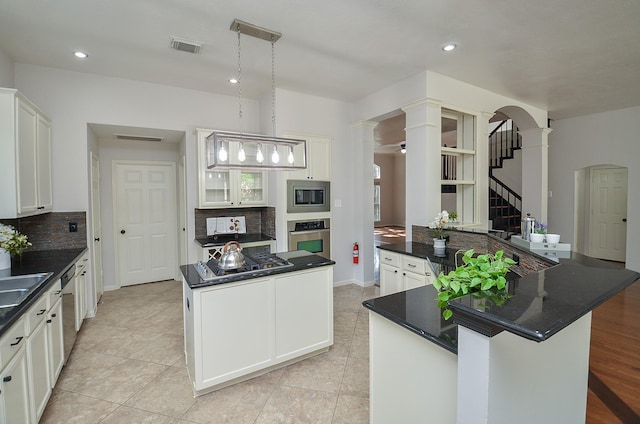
{"points": [[145, 221], [608, 229], [96, 228]]}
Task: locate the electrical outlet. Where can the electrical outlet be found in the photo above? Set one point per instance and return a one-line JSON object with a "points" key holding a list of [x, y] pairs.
{"points": [[73, 227], [516, 258]]}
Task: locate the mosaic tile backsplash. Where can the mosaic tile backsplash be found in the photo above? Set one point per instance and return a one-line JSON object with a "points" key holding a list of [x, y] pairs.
{"points": [[51, 230], [258, 220]]}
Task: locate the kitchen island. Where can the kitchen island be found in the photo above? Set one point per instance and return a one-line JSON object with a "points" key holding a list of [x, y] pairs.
{"points": [[243, 325], [526, 361]]}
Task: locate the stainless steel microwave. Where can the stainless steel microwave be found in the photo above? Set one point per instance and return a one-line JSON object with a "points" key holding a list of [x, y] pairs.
{"points": [[308, 196]]}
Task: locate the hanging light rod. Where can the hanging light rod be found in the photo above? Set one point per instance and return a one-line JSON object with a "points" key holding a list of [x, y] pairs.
{"points": [[246, 28]]}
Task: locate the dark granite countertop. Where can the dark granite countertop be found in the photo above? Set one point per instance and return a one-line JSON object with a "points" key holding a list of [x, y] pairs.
{"points": [[417, 310], [56, 261], [300, 259], [542, 303], [222, 239]]}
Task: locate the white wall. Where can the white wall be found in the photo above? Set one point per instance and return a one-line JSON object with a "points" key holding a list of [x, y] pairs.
{"points": [[604, 138], [72, 100], [303, 113], [6, 71]]}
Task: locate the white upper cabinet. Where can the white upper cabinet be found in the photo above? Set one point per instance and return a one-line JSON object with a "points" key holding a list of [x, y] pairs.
{"points": [[318, 160], [227, 188], [25, 157]]}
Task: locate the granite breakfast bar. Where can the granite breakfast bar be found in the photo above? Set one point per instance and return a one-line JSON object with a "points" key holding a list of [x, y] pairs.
{"points": [[525, 361]]}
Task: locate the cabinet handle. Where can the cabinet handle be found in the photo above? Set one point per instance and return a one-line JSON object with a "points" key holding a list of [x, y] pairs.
{"points": [[122, 231], [57, 292], [387, 259], [411, 265], [42, 311], [428, 274], [40, 207], [53, 315], [395, 272], [188, 306], [49, 321], [7, 379], [96, 239], [18, 340]]}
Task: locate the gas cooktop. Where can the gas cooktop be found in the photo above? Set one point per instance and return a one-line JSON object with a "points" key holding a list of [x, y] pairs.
{"points": [[253, 264]]}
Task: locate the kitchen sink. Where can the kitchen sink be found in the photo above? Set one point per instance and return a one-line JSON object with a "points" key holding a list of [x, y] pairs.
{"points": [[14, 290], [13, 297]]}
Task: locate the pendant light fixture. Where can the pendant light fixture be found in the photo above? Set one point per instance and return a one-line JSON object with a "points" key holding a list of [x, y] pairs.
{"points": [[242, 150]]}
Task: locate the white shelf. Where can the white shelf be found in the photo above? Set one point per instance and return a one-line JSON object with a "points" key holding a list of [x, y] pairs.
{"points": [[457, 182], [456, 152]]}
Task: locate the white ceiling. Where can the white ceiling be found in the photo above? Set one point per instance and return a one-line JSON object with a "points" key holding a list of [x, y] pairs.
{"points": [[571, 57]]}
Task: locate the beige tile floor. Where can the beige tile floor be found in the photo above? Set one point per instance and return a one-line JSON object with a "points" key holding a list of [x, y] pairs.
{"points": [[128, 367]]}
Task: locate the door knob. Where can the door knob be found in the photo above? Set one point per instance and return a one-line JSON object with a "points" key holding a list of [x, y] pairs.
{"points": [[624, 219], [122, 231], [96, 239]]}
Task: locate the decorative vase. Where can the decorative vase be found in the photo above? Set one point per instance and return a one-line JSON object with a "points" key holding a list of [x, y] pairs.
{"points": [[439, 251], [439, 243], [5, 259]]}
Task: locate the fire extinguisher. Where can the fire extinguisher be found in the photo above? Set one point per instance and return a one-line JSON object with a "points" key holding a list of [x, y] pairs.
{"points": [[356, 253]]}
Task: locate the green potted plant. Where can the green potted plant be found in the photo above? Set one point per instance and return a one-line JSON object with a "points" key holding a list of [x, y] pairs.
{"points": [[11, 243], [483, 276]]}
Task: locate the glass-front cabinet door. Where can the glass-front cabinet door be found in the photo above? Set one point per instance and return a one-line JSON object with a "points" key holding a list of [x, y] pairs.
{"points": [[217, 187], [252, 187], [224, 188]]}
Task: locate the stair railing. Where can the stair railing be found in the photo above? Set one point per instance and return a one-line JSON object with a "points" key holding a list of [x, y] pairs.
{"points": [[502, 142], [509, 210]]}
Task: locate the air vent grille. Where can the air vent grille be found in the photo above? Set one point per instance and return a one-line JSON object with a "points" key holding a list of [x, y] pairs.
{"points": [[127, 137], [185, 45]]}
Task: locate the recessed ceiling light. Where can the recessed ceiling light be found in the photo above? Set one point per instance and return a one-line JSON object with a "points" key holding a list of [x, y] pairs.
{"points": [[233, 80], [449, 46], [80, 55]]}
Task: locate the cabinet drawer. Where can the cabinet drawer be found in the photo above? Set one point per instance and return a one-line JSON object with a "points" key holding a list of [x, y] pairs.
{"points": [[12, 341], [54, 293], [37, 313], [389, 258], [412, 264]]}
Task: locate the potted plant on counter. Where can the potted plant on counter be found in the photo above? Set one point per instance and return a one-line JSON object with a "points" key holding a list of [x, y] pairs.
{"points": [[11, 243], [483, 276], [539, 231], [438, 224]]}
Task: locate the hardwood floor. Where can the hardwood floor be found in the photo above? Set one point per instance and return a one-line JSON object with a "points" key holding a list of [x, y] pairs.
{"points": [[614, 381]]}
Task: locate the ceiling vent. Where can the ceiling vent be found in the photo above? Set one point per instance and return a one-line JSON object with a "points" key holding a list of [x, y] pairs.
{"points": [[185, 45], [127, 137]]}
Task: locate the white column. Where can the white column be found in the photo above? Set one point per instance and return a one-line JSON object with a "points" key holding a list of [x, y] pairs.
{"points": [[535, 172], [481, 212], [363, 139], [423, 164]]}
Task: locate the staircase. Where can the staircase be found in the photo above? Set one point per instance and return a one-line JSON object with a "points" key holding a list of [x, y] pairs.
{"points": [[505, 205]]}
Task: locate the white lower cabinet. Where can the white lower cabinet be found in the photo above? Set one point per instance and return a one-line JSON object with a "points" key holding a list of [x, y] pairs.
{"points": [[303, 323], [403, 272], [31, 358], [238, 330], [81, 287], [38, 370], [55, 338], [14, 386]]}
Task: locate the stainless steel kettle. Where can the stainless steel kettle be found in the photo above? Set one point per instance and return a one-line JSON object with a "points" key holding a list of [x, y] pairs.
{"points": [[527, 225], [231, 257]]}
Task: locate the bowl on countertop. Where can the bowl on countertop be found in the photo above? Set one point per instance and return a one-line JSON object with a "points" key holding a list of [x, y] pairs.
{"points": [[553, 238]]}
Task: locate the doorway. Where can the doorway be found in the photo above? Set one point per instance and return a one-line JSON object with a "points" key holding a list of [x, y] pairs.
{"points": [[601, 212], [145, 222]]}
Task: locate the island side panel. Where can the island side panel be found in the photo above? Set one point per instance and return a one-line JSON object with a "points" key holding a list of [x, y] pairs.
{"points": [[412, 380], [508, 379]]}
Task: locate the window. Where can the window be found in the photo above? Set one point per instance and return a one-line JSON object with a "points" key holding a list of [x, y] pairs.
{"points": [[376, 193]]}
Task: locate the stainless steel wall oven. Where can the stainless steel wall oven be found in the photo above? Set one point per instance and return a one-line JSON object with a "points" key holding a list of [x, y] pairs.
{"points": [[313, 236]]}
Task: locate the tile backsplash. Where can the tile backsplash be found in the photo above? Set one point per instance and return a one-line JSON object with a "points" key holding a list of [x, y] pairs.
{"points": [[51, 230], [258, 220]]}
